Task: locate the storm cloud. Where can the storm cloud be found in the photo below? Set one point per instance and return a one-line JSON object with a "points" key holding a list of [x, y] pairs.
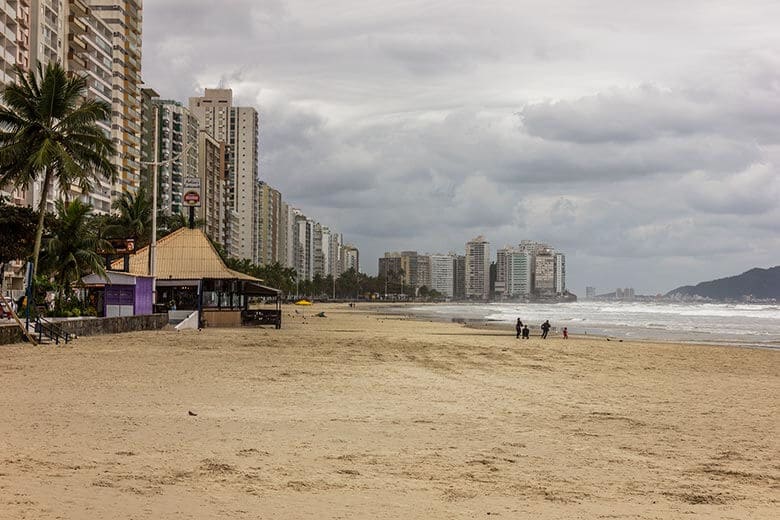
{"points": [[641, 139]]}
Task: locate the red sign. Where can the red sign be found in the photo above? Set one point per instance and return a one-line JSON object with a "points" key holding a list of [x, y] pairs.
{"points": [[191, 198]]}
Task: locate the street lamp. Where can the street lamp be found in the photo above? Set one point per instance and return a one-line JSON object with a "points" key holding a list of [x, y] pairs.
{"points": [[169, 162]]}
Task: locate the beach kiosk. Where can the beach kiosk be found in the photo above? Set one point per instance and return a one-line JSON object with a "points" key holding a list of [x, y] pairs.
{"points": [[191, 277], [118, 294]]}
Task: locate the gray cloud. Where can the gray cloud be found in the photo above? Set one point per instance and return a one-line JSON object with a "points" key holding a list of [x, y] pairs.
{"points": [[644, 143]]}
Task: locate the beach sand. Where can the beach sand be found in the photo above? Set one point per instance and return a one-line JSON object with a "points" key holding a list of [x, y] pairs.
{"points": [[360, 415]]}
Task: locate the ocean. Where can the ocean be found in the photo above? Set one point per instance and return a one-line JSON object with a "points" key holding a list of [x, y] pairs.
{"points": [[731, 324]]}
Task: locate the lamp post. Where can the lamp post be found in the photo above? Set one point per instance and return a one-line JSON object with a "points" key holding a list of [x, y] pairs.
{"points": [[156, 164]]}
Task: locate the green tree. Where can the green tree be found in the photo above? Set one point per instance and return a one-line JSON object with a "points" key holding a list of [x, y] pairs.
{"points": [[17, 227], [49, 130], [134, 219], [72, 250]]}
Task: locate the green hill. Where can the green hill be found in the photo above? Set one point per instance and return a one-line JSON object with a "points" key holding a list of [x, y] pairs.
{"points": [[756, 284]]}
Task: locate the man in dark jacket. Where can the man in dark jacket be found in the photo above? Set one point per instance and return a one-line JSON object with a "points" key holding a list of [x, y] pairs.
{"points": [[545, 328]]}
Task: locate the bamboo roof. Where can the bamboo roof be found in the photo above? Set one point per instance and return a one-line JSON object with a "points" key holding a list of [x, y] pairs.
{"points": [[185, 254]]}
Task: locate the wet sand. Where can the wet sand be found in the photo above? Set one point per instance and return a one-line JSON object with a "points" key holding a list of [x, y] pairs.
{"points": [[360, 415]]}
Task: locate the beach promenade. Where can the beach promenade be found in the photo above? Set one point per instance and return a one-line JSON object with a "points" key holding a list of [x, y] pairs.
{"points": [[361, 415]]}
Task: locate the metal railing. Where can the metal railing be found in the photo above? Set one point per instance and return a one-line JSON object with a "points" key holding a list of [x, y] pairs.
{"points": [[53, 332]]}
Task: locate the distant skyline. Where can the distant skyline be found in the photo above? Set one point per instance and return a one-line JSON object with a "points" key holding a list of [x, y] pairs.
{"points": [[641, 139]]}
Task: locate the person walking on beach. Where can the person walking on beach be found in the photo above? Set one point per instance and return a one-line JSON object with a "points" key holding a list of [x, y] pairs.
{"points": [[526, 332], [518, 328], [565, 333], [545, 328]]}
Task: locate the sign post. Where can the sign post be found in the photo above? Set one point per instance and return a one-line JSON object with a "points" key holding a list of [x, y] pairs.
{"points": [[191, 196]]}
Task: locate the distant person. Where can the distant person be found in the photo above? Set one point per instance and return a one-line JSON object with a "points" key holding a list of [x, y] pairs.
{"points": [[565, 333], [526, 332], [519, 328], [545, 328]]}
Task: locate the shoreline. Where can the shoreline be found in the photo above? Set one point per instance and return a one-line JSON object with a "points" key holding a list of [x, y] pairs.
{"points": [[505, 325]]}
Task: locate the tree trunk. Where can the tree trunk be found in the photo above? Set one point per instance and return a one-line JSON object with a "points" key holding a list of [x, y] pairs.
{"points": [[41, 218]]}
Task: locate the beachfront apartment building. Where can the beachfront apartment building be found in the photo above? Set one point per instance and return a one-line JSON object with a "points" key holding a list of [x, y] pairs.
{"points": [[304, 247], [212, 165], [560, 273], [238, 128], [124, 19], [100, 40], [177, 153], [423, 271], [14, 50], [269, 216], [351, 258], [513, 273], [459, 291], [442, 277], [90, 54], [477, 269], [14, 37], [544, 273]]}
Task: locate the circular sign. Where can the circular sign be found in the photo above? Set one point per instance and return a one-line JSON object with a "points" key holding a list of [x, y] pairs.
{"points": [[191, 198]]}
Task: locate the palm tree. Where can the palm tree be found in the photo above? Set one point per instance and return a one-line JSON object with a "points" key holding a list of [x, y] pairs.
{"points": [[48, 130], [72, 250], [135, 217]]}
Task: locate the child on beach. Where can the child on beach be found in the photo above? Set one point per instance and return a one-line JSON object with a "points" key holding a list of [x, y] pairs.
{"points": [[526, 332]]}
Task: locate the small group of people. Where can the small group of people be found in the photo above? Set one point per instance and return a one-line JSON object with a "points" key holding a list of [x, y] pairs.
{"points": [[522, 330]]}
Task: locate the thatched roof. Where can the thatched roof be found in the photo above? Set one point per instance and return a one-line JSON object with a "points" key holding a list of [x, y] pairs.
{"points": [[185, 254]]}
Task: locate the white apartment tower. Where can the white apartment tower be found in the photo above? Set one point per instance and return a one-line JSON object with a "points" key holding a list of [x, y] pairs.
{"points": [[478, 268], [442, 274], [513, 272], [560, 273], [124, 18], [238, 128], [269, 215], [177, 151], [351, 257], [544, 273], [90, 54]]}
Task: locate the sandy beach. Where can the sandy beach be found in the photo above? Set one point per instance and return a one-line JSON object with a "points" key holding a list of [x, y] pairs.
{"points": [[362, 415]]}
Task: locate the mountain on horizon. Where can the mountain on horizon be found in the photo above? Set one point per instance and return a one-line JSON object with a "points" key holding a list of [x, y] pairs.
{"points": [[755, 284]]}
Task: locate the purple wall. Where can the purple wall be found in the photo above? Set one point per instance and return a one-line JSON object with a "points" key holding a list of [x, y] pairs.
{"points": [[143, 296], [139, 296], [119, 295]]}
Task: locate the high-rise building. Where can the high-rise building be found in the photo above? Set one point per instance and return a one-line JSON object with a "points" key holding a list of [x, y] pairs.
{"points": [[148, 135], [304, 246], [90, 54], [351, 258], [513, 272], [336, 254], [423, 271], [212, 165], [48, 22], [15, 50], [269, 215], [560, 273], [15, 37], [177, 153], [442, 274], [459, 291], [238, 128], [389, 267], [590, 292], [124, 18], [409, 268], [544, 272], [478, 268]]}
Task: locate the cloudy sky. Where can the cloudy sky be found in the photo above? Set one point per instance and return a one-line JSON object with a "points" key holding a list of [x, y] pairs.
{"points": [[640, 138]]}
